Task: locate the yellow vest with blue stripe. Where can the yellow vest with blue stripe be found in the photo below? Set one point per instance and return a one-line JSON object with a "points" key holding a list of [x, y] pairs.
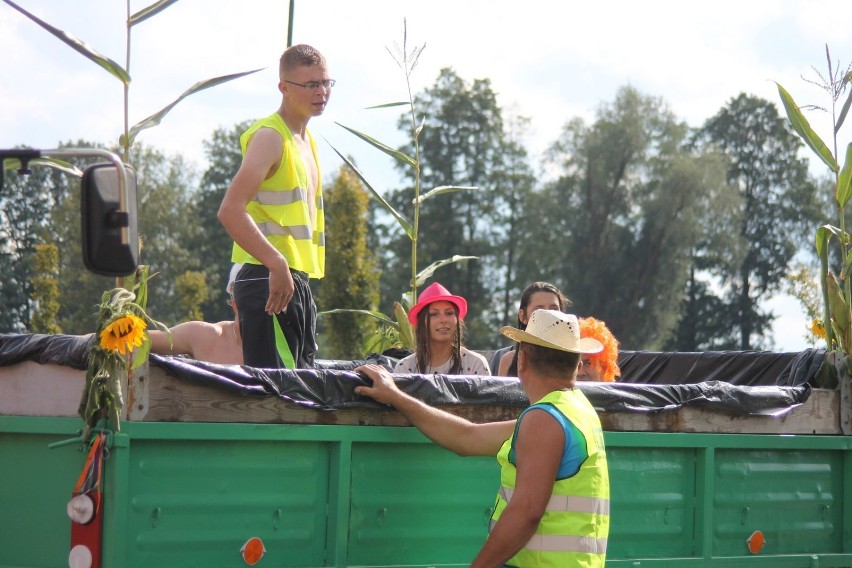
{"points": [[280, 209], [575, 526]]}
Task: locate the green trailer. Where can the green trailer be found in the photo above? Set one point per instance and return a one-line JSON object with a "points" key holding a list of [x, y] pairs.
{"points": [[197, 471]]}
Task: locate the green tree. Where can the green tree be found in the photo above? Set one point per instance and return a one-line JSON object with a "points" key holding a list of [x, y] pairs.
{"points": [[211, 242], [615, 230], [166, 192], [514, 182], [352, 280], [191, 288], [45, 290], [25, 205], [704, 321], [778, 207]]}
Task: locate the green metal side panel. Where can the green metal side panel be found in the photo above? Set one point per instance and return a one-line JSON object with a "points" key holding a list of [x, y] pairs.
{"points": [[652, 508], [35, 485], [203, 500], [189, 494], [752, 486], [423, 506]]}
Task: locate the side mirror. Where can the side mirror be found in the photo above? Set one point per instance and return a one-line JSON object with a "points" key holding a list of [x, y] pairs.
{"points": [[109, 235]]}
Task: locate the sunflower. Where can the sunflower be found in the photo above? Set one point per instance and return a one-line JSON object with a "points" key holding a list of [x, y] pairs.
{"points": [[818, 328], [123, 334]]}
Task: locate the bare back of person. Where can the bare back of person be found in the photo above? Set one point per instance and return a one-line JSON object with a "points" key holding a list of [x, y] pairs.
{"points": [[212, 342]]}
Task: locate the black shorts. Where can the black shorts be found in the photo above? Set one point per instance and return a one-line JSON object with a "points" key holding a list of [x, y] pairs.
{"points": [[284, 340]]}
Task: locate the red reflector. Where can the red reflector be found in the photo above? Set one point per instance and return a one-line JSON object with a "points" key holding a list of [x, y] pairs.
{"points": [[756, 542], [252, 551]]}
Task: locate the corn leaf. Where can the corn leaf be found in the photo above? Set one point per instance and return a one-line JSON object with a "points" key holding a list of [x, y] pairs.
{"points": [[389, 105], [408, 299], [420, 128], [847, 266], [155, 118], [406, 334], [440, 190], [395, 154], [140, 354], [427, 272], [406, 226], [150, 11], [845, 108], [377, 315], [823, 235], [803, 129], [111, 66], [839, 311], [844, 180], [61, 165]]}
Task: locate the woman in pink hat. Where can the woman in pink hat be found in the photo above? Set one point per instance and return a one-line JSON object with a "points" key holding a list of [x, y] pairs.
{"points": [[438, 319]]}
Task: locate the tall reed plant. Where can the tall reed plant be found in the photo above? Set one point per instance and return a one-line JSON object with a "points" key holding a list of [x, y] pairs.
{"points": [[833, 242], [401, 334]]}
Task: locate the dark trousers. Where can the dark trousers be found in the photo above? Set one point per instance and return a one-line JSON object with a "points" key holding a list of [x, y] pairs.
{"points": [[263, 345]]}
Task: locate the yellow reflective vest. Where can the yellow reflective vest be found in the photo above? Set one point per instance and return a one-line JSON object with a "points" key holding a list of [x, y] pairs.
{"points": [[281, 210], [575, 526]]}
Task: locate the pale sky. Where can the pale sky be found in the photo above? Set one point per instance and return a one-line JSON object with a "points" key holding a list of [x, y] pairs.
{"points": [[548, 60]]}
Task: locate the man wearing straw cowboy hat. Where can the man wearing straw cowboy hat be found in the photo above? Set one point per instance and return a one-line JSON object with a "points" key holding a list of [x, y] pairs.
{"points": [[553, 504]]}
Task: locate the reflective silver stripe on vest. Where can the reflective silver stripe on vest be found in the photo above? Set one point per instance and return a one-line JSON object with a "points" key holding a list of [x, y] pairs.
{"points": [[298, 232], [275, 197], [564, 543], [321, 239], [568, 503]]}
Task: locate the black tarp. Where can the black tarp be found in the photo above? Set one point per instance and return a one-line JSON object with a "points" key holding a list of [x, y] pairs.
{"points": [[67, 350], [332, 389], [733, 382], [750, 368]]}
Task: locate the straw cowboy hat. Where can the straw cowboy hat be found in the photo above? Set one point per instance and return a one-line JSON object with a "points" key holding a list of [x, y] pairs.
{"points": [[436, 293], [556, 330]]}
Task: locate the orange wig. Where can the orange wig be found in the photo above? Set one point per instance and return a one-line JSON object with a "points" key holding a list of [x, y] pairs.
{"points": [[607, 360]]}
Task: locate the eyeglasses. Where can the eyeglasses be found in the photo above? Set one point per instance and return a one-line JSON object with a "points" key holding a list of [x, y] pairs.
{"points": [[314, 85]]}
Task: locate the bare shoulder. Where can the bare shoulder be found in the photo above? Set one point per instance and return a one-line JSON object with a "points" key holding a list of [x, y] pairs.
{"points": [[505, 363], [265, 140], [198, 327]]}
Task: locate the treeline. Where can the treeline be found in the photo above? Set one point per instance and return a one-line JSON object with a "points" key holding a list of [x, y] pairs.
{"points": [[673, 235]]}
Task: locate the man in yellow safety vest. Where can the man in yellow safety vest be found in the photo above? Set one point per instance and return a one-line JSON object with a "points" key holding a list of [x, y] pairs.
{"points": [[273, 210], [552, 507]]}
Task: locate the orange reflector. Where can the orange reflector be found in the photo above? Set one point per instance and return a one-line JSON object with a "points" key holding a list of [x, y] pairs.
{"points": [[252, 551], [756, 542]]}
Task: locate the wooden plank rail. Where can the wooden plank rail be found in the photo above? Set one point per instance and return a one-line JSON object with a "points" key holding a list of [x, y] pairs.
{"points": [[153, 395]]}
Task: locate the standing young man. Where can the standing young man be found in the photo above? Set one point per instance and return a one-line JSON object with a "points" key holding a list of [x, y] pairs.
{"points": [[273, 211], [553, 504]]}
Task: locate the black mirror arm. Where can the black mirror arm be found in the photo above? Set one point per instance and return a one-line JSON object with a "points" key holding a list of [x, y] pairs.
{"points": [[120, 217], [23, 155]]}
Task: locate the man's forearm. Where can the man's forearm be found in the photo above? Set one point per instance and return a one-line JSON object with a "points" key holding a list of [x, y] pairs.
{"points": [[512, 531]]}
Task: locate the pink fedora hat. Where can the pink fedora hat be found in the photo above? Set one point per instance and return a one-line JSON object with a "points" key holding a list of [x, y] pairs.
{"points": [[435, 292]]}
